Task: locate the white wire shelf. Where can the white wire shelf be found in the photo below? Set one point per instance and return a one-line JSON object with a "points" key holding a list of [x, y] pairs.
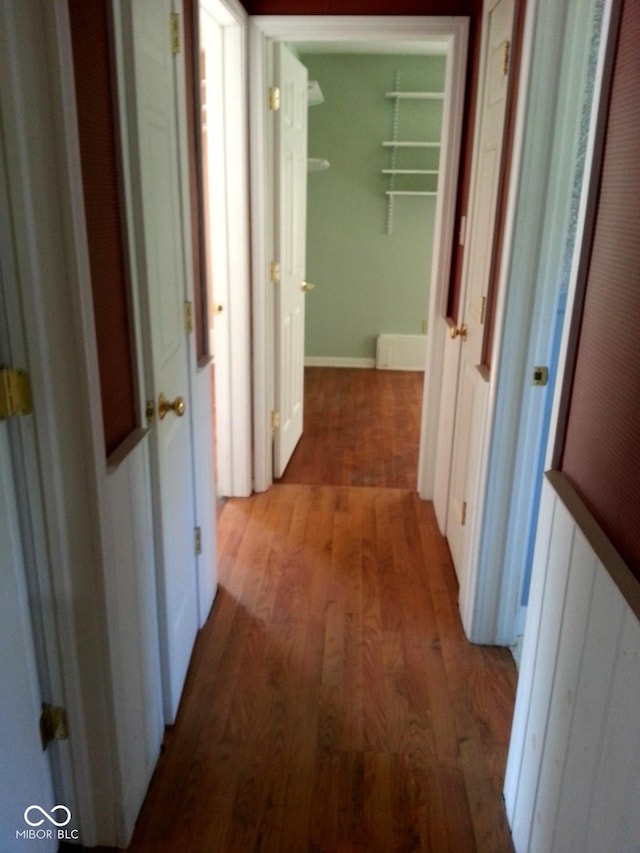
{"points": [[410, 171], [409, 192], [416, 96], [394, 144]]}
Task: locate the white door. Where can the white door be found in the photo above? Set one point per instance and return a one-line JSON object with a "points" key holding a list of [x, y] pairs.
{"points": [[291, 218], [163, 270], [472, 390], [214, 175], [25, 777]]}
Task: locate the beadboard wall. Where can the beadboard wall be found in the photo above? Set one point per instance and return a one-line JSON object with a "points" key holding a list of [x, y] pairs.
{"points": [[573, 773]]}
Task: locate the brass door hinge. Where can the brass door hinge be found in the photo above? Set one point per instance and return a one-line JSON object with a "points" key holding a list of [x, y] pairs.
{"points": [[197, 536], [275, 420], [274, 98], [506, 50], [188, 317], [15, 393], [174, 29], [274, 272], [53, 724], [463, 514]]}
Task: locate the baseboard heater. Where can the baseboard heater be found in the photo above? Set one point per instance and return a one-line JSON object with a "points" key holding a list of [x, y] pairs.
{"points": [[401, 352]]}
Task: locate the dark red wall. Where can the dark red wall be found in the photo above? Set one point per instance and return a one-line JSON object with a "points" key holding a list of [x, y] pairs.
{"points": [[100, 179], [602, 443]]}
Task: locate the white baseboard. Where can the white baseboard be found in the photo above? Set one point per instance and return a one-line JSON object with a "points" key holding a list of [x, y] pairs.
{"points": [[401, 352], [331, 361]]}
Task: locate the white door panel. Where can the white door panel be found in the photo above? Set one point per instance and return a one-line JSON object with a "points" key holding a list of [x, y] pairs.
{"points": [[163, 285], [291, 204], [464, 474], [25, 777], [472, 386]]}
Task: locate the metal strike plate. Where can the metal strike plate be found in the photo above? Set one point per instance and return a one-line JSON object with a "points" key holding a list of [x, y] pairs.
{"points": [[540, 375]]}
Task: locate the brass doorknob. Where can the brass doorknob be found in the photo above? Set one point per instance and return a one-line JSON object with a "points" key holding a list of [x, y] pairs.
{"points": [[164, 406], [461, 332], [306, 286], [218, 308]]}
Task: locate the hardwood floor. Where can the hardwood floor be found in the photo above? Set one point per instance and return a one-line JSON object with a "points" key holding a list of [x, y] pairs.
{"points": [[333, 703], [361, 428]]}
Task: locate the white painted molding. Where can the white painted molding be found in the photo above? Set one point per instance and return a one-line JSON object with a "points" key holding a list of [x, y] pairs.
{"points": [[41, 151], [261, 247], [337, 361], [434, 393], [238, 232], [450, 35], [356, 29], [530, 269]]}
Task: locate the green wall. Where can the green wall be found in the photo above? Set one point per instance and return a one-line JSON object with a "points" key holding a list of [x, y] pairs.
{"points": [[367, 281]]}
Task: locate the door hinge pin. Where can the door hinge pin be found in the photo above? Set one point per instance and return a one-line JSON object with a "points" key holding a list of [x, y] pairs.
{"points": [[483, 309], [197, 535], [188, 317], [174, 29], [505, 58], [462, 233], [275, 420], [274, 98], [463, 515], [15, 393], [53, 724], [274, 272]]}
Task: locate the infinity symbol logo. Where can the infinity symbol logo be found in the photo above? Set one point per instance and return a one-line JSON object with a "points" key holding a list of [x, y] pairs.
{"points": [[46, 815]]}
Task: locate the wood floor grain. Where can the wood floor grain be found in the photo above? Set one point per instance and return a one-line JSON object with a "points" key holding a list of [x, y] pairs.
{"points": [[333, 703], [361, 428]]}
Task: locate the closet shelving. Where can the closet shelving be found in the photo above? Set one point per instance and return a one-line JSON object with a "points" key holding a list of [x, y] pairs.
{"points": [[396, 144]]}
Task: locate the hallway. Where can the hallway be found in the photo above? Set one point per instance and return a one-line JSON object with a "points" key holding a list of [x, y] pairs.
{"points": [[361, 428], [333, 703]]}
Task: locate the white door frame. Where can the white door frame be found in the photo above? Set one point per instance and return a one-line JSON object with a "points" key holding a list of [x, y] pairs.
{"points": [[544, 184], [346, 30], [230, 207], [64, 454]]}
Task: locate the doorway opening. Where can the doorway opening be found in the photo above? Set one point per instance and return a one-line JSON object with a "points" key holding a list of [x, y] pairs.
{"points": [[314, 39], [221, 126], [374, 133]]}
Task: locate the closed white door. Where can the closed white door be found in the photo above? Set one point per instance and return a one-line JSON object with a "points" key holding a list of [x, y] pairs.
{"points": [[472, 393], [291, 215], [25, 777], [163, 270]]}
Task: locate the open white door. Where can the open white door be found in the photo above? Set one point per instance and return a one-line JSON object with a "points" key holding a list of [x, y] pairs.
{"points": [[291, 221], [472, 394], [25, 776], [155, 184]]}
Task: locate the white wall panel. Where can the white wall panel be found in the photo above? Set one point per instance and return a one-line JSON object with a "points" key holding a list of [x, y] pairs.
{"points": [[133, 629], [573, 774]]}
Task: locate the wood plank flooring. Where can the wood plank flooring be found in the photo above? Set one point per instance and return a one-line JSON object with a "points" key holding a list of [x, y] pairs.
{"points": [[333, 703], [361, 428]]}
